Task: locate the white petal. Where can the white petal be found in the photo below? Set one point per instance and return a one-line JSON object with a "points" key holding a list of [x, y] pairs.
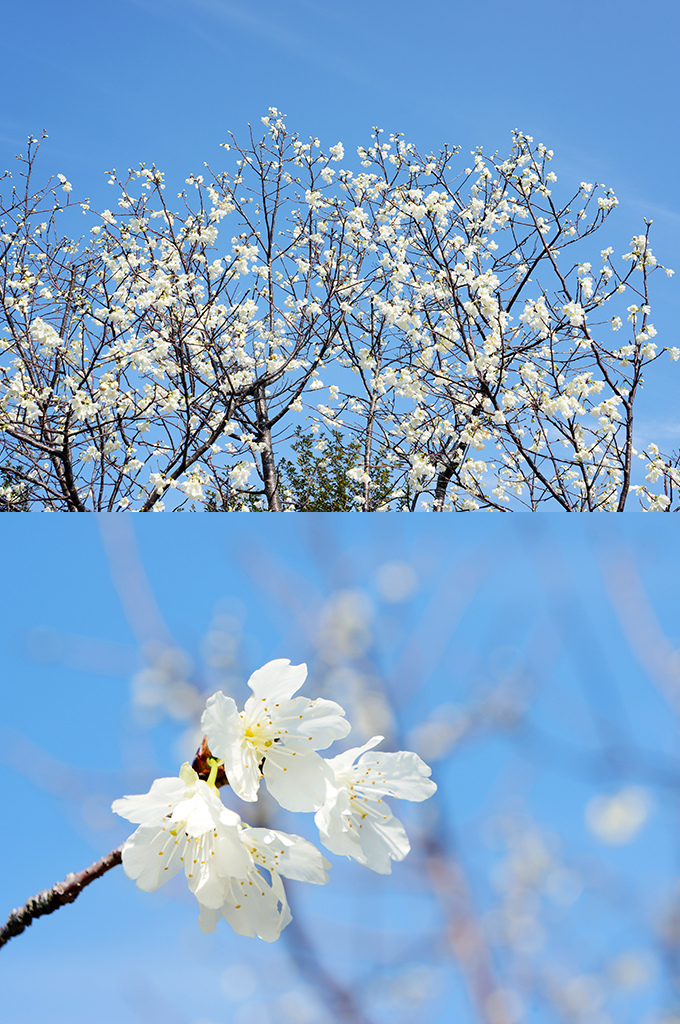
{"points": [[383, 841], [150, 808], [229, 817], [203, 881], [277, 680], [208, 918], [188, 776], [337, 831], [195, 815], [290, 856], [254, 908], [402, 774], [318, 722], [225, 731], [297, 780], [345, 760], [208, 888], [151, 856], [243, 771], [221, 723], [211, 861], [231, 856]]}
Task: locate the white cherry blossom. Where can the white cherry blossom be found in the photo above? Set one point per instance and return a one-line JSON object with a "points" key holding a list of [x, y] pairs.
{"points": [[283, 731], [255, 906], [355, 820], [183, 822]]}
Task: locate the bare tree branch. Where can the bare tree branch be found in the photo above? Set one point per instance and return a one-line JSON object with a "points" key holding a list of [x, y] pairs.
{"points": [[64, 892]]}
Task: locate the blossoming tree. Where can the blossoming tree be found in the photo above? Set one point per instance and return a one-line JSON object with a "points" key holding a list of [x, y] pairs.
{"points": [[452, 323]]}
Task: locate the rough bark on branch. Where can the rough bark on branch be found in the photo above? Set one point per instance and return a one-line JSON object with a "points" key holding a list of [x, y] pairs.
{"points": [[63, 892]]}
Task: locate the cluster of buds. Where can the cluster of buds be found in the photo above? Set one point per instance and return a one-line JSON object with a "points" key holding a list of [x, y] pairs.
{"points": [[235, 871]]}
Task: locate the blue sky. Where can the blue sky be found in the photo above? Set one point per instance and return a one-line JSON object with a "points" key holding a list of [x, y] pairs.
{"points": [[571, 622], [163, 81]]}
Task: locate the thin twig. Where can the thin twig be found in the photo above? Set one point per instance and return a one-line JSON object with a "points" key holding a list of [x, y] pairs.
{"points": [[61, 893]]}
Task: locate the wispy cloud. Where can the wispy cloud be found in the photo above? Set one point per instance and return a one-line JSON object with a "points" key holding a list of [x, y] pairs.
{"points": [[653, 210], [271, 28], [659, 431]]}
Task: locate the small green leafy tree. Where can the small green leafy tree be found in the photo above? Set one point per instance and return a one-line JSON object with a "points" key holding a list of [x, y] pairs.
{"points": [[329, 476], [326, 474]]}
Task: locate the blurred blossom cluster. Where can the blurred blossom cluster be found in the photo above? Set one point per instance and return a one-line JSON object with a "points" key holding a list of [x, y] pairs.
{"points": [[618, 818]]}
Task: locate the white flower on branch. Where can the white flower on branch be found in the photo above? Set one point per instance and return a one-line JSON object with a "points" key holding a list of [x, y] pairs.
{"points": [[183, 823], [355, 821], [576, 313], [239, 473], [282, 731], [46, 336], [251, 904]]}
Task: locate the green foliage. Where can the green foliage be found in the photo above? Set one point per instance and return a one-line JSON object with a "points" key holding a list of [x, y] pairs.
{"points": [[318, 479], [234, 501]]}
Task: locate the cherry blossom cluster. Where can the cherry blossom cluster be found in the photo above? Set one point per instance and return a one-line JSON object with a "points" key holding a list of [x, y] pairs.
{"points": [[236, 871], [452, 321]]}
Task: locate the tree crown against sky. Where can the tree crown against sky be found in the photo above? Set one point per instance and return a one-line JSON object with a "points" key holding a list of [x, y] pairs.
{"points": [[456, 324]]}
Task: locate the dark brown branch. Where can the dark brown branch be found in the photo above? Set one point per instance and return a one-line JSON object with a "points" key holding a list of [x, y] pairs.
{"points": [[63, 892]]}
